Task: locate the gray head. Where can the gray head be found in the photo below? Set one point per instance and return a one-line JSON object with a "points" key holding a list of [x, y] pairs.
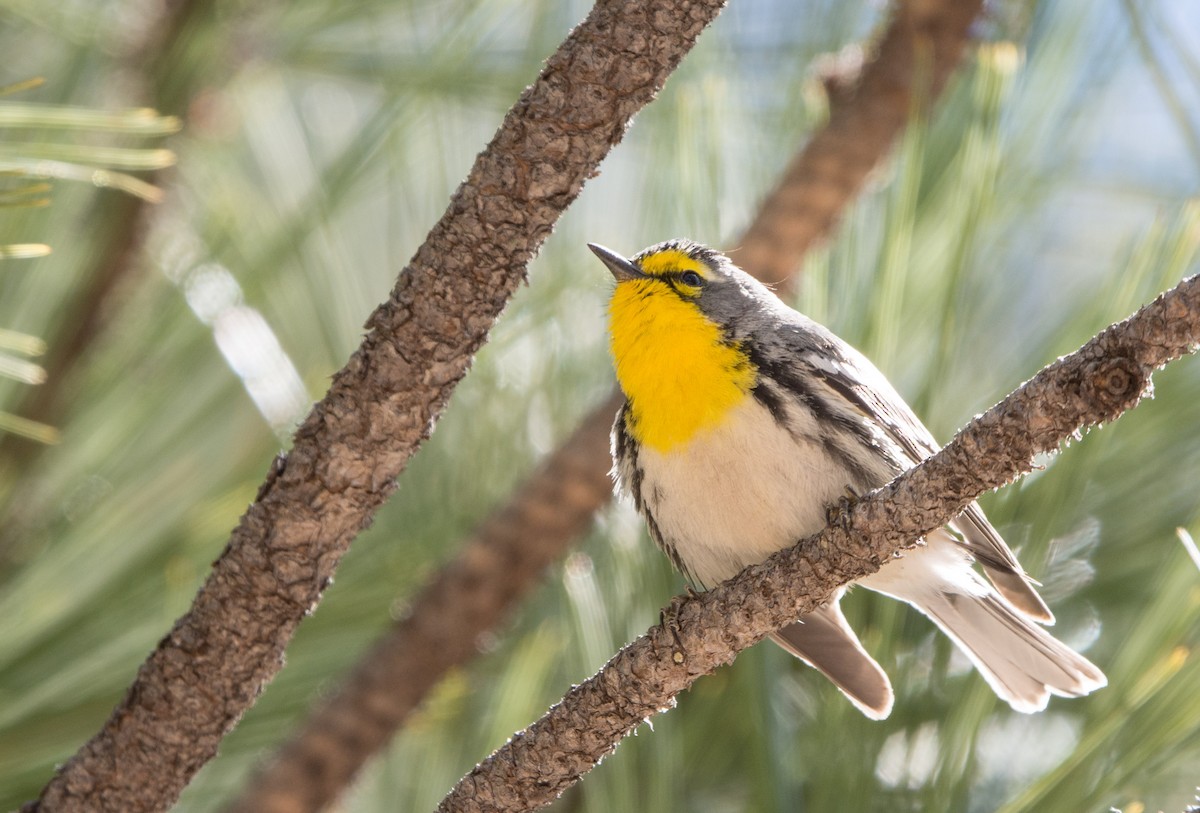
{"points": [[704, 277]]}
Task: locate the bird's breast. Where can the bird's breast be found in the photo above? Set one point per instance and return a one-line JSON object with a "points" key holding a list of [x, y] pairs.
{"points": [[676, 368], [736, 493]]}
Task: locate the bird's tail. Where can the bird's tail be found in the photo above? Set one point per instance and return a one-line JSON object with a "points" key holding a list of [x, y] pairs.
{"points": [[1022, 663], [824, 640]]}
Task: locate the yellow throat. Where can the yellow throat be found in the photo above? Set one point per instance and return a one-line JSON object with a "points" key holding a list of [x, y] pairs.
{"points": [[672, 362]]}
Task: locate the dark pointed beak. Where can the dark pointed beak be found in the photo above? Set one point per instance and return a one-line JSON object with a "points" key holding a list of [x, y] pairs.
{"points": [[620, 267]]}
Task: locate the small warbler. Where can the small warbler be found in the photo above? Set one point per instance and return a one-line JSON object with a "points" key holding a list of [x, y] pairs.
{"points": [[744, 421]]}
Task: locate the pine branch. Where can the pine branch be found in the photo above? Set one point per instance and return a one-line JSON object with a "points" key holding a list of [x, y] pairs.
{"points": [[504, 558], [700, 633], [912, 63], [497, 566], [211, 667]]}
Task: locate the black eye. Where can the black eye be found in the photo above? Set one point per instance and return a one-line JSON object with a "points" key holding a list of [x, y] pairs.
{"points": [[691, 278]]}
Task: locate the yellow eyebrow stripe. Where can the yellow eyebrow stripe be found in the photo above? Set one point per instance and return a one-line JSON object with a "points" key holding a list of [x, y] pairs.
{"points": [[672, 261]]}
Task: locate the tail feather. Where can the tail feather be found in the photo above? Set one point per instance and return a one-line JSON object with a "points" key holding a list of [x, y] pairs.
{"points": [[1001, 566], [823, 639], [1015, 587], [1022, 663]]}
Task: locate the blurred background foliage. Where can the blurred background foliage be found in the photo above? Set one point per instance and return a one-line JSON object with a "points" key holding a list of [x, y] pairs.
{"points": [[1052, 193]]}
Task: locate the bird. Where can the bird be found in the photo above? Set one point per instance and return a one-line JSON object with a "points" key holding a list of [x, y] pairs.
{"points": [[744, 422]]}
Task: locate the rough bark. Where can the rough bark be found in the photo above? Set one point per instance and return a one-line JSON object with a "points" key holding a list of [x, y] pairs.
{"points": [[498, 565], [472, 595], [914, 59], [700, 633], [211, 667]]}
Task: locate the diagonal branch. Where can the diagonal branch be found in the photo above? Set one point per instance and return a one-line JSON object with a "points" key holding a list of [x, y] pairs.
{"points": [[912, 63], [504, 558], [211, 667], [700, 633], [498, 565]]}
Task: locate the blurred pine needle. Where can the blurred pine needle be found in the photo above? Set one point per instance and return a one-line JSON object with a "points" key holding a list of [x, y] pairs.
{"points": [[1003, 234]]}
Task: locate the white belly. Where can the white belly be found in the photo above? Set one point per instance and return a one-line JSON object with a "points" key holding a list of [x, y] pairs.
{"points": [[740, 492]]}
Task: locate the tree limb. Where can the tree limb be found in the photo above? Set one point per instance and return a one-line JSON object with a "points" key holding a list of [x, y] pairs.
{"points": [[700, 633], [211, 667], [504, 557], [500, 563], [912, 62]]}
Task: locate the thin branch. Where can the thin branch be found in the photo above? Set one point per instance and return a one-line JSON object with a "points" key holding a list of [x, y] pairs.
{"points": [[700, 633], [503, 559], [913, 61], [211, 667], [500, 563]]}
